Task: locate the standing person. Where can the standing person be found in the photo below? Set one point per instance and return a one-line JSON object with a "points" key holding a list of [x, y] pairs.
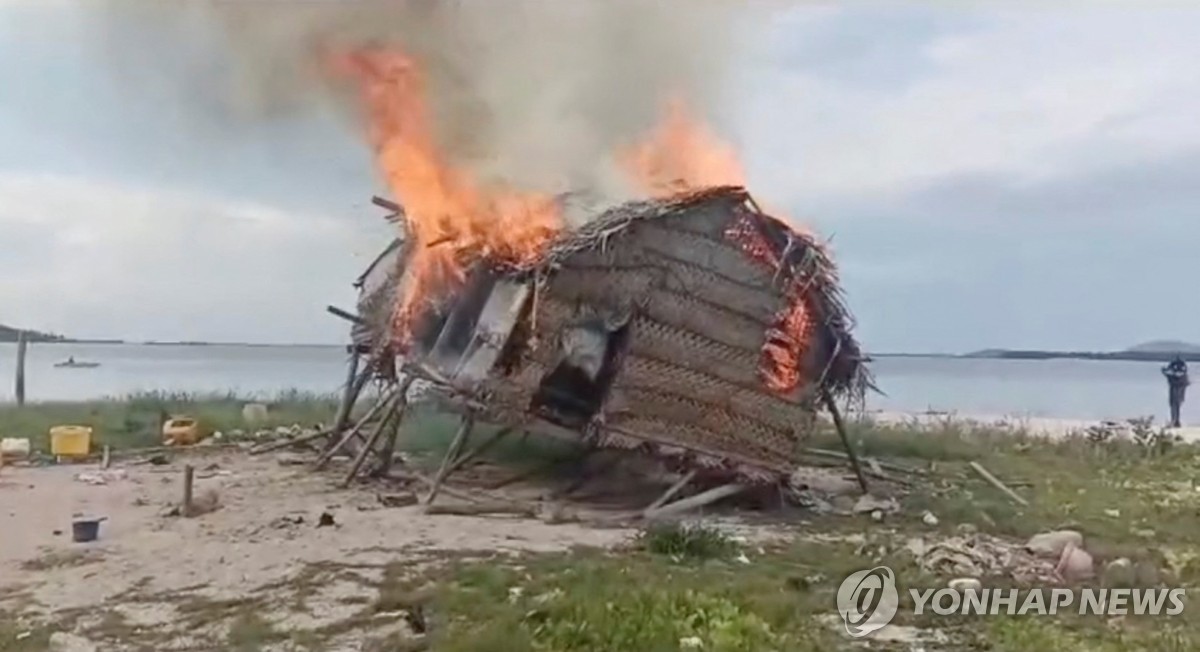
{"points": [[1177, 382]]}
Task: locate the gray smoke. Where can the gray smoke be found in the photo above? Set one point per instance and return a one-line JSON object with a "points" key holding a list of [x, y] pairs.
{"points": [[535, 93]]}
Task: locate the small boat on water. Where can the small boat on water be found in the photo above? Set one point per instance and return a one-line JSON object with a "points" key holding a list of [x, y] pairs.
{"points": [[72, 363]]}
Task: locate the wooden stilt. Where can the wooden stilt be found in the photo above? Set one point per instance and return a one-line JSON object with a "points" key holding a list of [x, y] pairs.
{"points": [[355, 381], [389, 447], [384, 401], [695, 502], [369, 445], [480, 449], [460, 438], [672, 491], [831, 405]]}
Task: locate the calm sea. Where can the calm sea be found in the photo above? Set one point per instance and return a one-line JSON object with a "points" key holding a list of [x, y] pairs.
{"points": [[1051, 388]]}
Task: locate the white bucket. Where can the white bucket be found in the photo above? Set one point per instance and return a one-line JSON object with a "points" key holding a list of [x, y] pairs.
{"points": [[254, 413], [14, 448]]}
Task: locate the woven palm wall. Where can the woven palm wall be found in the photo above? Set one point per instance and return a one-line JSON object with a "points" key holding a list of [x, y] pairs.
{"points": [[699, 310]]}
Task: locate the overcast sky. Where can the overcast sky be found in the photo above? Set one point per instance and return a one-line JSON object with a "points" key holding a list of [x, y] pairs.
{"points": [[1023, 178]]}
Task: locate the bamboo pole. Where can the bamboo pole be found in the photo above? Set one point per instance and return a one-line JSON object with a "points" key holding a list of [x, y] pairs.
{"points": [[383, 401], [22, 347], [460, 438], [354, 385], [389, 446], [480, 449], [374, 437], [670, 493], [995, 482], [695, 502]]}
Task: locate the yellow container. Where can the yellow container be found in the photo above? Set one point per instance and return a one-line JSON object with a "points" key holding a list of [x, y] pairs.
{"points": [[70, 441], [182, 431]]}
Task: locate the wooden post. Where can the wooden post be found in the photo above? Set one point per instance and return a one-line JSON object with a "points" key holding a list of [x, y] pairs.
{"points": [[107, 459], [22, 347], [189, 476], [841, 428], [460, 438]]}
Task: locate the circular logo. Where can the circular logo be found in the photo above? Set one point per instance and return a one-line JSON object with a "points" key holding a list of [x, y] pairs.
{"points": [[867, 600]]}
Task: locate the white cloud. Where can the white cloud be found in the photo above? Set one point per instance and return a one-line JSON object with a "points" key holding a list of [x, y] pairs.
{"points": [[98, 259], [1036, 94]]}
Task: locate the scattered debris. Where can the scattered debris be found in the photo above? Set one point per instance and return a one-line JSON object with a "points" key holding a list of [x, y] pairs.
{"points": [[291, 459], [868, 503], [965, 584], [1075, 565], [980, 555], [100, 478], [1052, 544], [326, 520], [402, 499], [929, 519]]}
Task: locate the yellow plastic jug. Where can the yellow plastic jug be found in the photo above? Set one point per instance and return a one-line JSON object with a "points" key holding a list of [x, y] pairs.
{"points": [[182, 431], [70, 441]]}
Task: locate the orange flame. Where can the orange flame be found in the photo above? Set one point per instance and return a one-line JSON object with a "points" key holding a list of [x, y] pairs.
{"points": [[681, 155], [451, 221]]}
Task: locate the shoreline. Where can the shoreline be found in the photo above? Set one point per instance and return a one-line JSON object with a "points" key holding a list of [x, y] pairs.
{"points": [[1051, 427]]}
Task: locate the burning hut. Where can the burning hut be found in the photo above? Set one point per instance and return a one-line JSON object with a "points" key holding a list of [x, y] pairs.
{"points": [[694, 328]]}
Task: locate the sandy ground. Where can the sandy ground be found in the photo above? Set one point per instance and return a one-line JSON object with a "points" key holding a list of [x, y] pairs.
{"points": [[264, 533], [1044, 426]]}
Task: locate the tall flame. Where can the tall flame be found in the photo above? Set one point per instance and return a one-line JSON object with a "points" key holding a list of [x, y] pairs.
{"points": [[681, 155], [451, 220]]}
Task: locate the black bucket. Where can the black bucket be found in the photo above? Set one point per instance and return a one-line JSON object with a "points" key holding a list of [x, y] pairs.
{"points": [[84, 530]]}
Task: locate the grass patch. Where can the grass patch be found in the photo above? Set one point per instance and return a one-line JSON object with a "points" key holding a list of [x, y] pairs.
{"points": [[251, 633], [693, 541], [60, 559], [133, 421]]}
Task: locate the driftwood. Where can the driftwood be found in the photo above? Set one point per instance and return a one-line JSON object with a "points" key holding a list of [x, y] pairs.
{"points": [[670, 493], [695, 502], [284, 443], [995, 482]]}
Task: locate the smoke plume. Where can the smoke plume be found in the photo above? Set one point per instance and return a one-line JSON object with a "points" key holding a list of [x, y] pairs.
{"points": [[535, 93]]}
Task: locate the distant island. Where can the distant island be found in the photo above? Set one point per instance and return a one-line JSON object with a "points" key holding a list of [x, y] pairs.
{"points": [[1155, 351], [10, 334]]}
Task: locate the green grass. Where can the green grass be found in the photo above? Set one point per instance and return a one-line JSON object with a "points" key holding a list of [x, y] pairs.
{"points": [[133, 421], [684, 583]]}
